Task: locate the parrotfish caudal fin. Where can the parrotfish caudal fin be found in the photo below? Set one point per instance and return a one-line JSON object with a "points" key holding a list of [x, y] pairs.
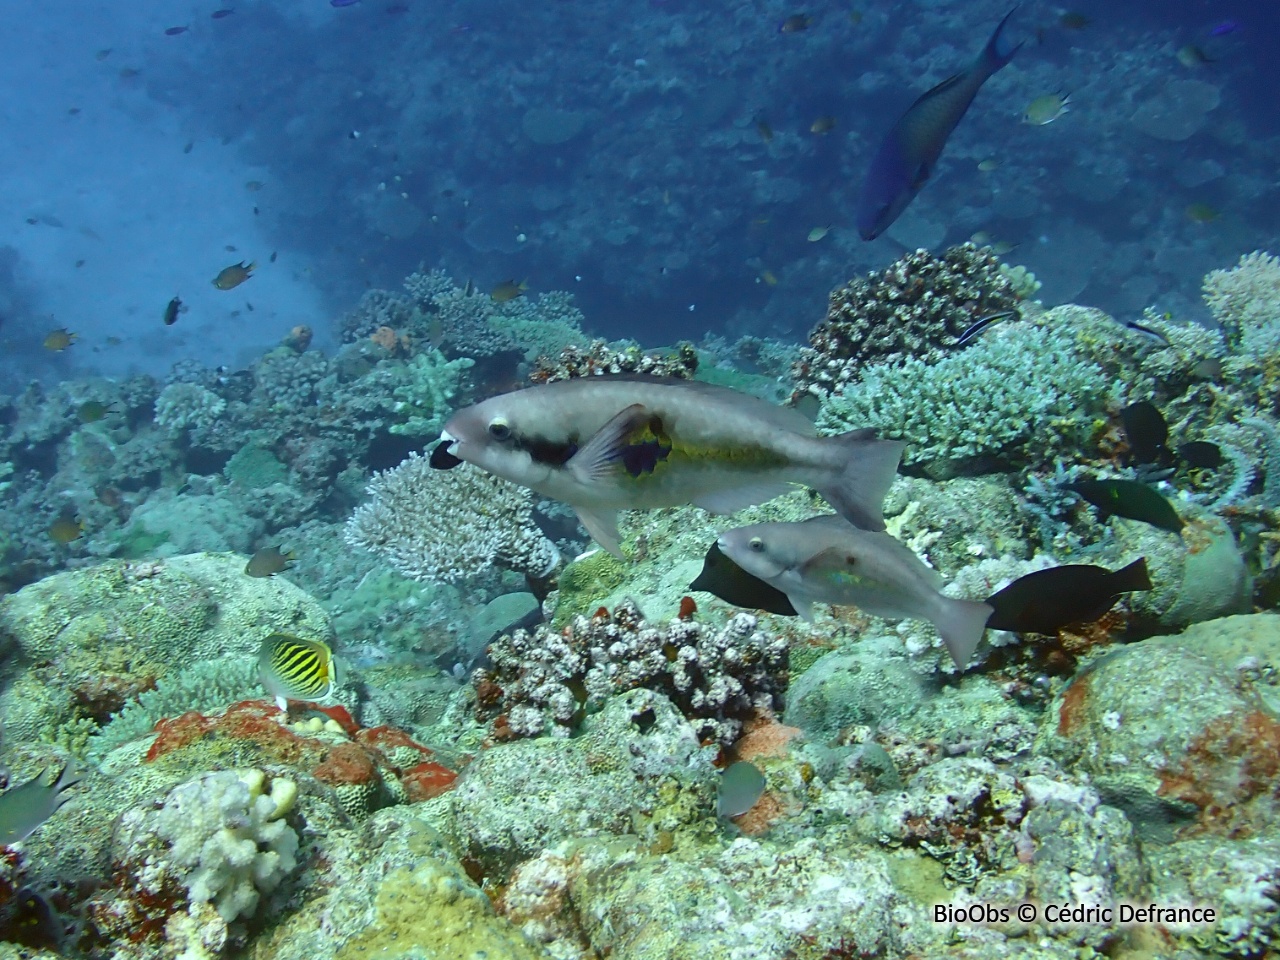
{"points": [[994, 54], [866, 471], [960, 624]]}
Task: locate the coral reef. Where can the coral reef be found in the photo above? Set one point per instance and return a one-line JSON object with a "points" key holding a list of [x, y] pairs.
{"points": [[542, 681], [600, 358], [446, 525], [916, 308]]}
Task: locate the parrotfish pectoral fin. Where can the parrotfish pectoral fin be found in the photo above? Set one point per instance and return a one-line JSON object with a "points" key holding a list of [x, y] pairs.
{"points": [[960, 623], [731, 501], [802, 607], [603, 527], [599, 458], [863, 479]]}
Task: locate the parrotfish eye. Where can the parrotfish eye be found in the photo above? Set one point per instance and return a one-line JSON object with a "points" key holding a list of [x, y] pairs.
{"points": [[499, 429], [756, 544]]}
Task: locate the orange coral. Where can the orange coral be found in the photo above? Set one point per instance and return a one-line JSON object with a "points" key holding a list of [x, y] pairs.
{"points": [[764, 736], [396, 344], [299, 338]]}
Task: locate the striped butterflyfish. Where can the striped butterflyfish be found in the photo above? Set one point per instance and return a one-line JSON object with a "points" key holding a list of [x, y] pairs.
{"points": [[295, 669]]}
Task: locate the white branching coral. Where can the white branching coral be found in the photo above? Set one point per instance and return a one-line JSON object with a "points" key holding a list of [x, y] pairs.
{"points": [[444, 525], [1246, 303], [187, 405]]}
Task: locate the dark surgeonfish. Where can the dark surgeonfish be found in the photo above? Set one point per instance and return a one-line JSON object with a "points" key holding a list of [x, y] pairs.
{"points": [[907, 156], [723, 578], [826, 560], [604, 444], [1128, 499], [1048, 600], [1147, 431]]}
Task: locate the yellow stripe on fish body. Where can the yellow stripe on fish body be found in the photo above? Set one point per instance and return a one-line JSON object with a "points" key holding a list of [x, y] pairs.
{"points": [[295, 668]]}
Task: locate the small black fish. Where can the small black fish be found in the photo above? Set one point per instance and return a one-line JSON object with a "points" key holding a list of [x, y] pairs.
{"points": [[1147, 431], [171, 312], [723, 578], [982, 325], [191, 145], [219, 14], [1201, 454], [1129, 499], [174, 31], [1048, 600], [272, 258]]}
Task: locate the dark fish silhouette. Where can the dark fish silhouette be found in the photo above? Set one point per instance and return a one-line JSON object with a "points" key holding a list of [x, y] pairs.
{"points": [[907, 156], [1200, 453], [1129, 499], [1048, 600], [1147, 431], [723, 578]]}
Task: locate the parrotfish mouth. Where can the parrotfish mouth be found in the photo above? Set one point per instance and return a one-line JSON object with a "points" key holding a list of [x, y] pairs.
{"points": [[442, 457]]}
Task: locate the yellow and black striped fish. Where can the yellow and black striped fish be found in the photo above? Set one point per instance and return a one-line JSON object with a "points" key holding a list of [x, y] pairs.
{"points": [[295, 669]]}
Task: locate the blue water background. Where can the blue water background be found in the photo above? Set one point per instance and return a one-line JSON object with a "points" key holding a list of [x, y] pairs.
{"points": [[386, 135]]}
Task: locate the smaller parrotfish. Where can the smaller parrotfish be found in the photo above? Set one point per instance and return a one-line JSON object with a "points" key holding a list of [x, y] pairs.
{"points": [[1129, 499], [25, 807], [828, 560], [292, 668], [269, 561], [723, 578], [906, 158], [231, 277], [1048, 600]]}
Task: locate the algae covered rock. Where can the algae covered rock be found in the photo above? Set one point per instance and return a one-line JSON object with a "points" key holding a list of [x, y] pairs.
{"points": [[1174, 736], [88, 640]]}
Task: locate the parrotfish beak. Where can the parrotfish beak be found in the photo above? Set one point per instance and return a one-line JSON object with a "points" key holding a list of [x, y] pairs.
{"points": [[442, 457]]}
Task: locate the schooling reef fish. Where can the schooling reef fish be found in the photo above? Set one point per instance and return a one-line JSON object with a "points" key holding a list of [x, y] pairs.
{"points": [[24, 808], [825, 560], [603, 444], [230, 277], [1048, 600], [906, 158]]}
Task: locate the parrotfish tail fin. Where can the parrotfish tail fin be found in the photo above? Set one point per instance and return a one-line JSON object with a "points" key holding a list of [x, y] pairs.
{"points": [[1132, 577], [997, 54], [960, 624], [866, 471], [67, 778], [603, 527]]}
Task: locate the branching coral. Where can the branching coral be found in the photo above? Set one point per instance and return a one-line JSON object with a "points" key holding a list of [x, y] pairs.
{"points": [[717, 678], [446, 525], [915, 307], [1246, 303]]}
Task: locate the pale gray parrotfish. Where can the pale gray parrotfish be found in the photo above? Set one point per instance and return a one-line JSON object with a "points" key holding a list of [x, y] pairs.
{"points": [[604, 444], [826, 560], [910, 150]]}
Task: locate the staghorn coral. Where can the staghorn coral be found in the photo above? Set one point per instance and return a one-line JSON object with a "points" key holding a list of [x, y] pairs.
{"points": [[446, 525], [914, 308], [182, 405], [717, 678]]}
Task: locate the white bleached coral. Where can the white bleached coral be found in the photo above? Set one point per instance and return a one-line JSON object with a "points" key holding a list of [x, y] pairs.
{"points": [[187, 405], [444, 525], [222, 836]]}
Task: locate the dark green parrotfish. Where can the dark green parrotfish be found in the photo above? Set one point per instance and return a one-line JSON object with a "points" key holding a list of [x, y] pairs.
{"points": [[723, 578], [1048, 600], [911, 148], [1128, 499]]}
